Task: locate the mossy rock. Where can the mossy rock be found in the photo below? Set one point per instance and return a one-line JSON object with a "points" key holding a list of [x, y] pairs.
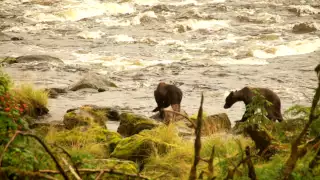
{"points": [[216, 123], [113, 138], [83, 116], [131, 124], [8, 60], [138, 147], [116, 165]]}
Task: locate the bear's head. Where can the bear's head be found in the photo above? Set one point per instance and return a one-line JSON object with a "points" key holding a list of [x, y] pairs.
{"points": [[230, 99]]}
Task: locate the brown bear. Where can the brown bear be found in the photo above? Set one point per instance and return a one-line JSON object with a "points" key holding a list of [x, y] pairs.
{"points": [[246, 94], [166, 95]]}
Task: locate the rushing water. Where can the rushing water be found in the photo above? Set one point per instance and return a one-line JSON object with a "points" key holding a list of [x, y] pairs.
{"points": [[201, 46]]}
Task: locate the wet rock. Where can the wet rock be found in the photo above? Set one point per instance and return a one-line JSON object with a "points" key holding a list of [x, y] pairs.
{"points": [[38, 58], [305, 28], [54, 92], [138, 147], [216, 123], [93, 81], [16, 38], [159, 8], [148, 20], [189, 14], [131, 124], [111, 113], [182, 28], [303, 10], [84, 116]]}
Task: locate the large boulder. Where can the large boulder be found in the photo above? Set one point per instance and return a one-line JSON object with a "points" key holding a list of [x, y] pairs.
{"points": [[84, 116], [131, 124], [139, 147], [216, 123], [93, 81], [305, 27]]}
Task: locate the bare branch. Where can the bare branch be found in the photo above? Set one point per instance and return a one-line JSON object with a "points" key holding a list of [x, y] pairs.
{"points": [[71, 169], [186, 117], [7, 145], [197, 143], [27, 173], [49, 152]]}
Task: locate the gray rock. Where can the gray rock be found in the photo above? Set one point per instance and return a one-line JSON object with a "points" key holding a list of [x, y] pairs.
{"points": [[305, 27], [38, 58], [93, 81]]}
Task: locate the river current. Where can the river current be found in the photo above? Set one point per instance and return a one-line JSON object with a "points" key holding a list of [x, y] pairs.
{"points": [[201, 46]]}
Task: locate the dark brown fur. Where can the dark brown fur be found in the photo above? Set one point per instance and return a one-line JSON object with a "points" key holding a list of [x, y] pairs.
{"points": [[246, 94], [166, 95]]}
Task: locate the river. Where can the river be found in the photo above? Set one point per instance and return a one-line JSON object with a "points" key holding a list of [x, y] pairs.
{"points": [[201, 46]]}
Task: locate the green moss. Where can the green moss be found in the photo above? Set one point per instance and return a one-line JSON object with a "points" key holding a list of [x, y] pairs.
{"points": [[91, 139], [138, 147], [131, 124], [9, 60]]}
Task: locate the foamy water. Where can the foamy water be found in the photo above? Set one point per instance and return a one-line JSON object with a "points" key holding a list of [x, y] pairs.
{"points": [[211, 46]]}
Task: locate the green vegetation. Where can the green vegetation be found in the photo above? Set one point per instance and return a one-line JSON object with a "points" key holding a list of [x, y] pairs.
{"points": [[290, 149]]}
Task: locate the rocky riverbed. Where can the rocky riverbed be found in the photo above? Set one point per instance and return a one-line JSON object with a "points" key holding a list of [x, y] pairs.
{"points": [[200, 46]]}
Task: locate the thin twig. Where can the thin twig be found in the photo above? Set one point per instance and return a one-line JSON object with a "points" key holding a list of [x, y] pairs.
{"points": [[71, 169], [69, 156], [27, 173], [110, 171], [7, 145], [49, 152], [197, 143], [99, 175]]}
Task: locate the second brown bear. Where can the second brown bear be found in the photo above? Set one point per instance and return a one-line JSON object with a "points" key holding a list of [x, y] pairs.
{"points": [[246, 94]]}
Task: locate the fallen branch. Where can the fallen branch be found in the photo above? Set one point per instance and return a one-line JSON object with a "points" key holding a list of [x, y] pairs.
{"points": [[49, 152], [292, 160], [197, 143], [186, 117], [7, 145], [71, 169], [27, 173], [69, 156], [110, 171], [251, 173]]}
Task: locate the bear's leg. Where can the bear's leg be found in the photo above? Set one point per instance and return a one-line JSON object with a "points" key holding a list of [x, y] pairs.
{"points": [[271, 115]]}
